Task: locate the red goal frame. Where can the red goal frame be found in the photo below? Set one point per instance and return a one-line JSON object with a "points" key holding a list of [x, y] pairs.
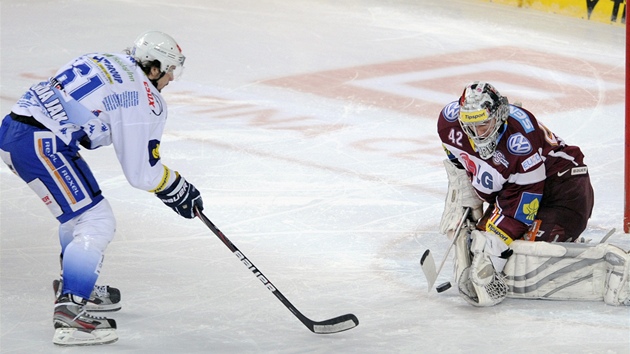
{"points": [[626, 206]]}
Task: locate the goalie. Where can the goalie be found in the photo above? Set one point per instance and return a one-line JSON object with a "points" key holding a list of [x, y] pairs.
{"points": [[537, 188]]}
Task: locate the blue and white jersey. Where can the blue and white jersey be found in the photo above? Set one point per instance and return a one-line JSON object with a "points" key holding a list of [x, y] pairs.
{"points": [[101, 99]]}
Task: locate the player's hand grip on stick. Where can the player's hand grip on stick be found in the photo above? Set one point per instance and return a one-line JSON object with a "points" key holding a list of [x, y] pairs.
{"points": [[333, 325], [182, 197]]}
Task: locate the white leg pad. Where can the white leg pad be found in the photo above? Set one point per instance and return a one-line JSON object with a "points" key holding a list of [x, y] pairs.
{"points": [[617, 290], [462, 251], [568, 271]]}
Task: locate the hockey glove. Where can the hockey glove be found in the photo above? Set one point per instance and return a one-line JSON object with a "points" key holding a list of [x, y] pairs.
{"points": [[483, 282], [182, 197]]}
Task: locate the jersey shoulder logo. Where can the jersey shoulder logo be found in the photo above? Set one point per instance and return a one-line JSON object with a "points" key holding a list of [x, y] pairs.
{"points": [[522, 118], [518, 144], [451, 111]]}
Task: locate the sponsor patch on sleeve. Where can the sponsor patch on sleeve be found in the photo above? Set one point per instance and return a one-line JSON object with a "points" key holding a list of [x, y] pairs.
{"points": [[518, 144], [154, 152], [579, 170], [531, 161], [491, 227], [522, 118], [528, 208], [451, 111]]}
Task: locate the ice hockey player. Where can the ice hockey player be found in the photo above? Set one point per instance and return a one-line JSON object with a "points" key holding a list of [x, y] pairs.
{"points": [[95, 100], [539, 198]]}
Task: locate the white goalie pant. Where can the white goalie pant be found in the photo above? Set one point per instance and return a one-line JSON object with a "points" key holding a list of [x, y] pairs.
{"points": [[568, 271]]}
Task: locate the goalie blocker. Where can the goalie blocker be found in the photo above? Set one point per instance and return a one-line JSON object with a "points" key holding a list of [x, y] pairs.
{"points": [[542, 270]]}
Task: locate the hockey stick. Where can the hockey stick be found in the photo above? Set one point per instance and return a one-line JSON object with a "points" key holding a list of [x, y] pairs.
{"points": [[333, 325], [607, 236], [428, 264]]}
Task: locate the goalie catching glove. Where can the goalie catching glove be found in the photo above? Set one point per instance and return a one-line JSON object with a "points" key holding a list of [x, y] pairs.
{"points": [[481, 281], [182, 197], [461, 194]]}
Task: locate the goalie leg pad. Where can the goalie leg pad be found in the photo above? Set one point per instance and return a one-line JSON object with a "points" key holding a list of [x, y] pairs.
{"points": [[462, 252], [568, 271], [617, 289]]}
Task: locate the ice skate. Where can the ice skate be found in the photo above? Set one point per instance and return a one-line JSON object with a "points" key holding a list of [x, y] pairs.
{"points": [[102, 299], [74, 326]]}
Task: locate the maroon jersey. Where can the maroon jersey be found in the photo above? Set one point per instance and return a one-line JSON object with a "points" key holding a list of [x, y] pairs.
{"points": [[527, 156]]}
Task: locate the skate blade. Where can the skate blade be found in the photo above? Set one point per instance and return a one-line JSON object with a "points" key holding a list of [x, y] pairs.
{"points": [[76, 337]]}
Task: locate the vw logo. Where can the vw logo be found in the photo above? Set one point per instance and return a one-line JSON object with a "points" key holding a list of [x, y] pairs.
{"points": [[519, 145]]}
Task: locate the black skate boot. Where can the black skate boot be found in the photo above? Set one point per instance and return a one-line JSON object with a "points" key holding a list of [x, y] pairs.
{"points": [[74, 326]]}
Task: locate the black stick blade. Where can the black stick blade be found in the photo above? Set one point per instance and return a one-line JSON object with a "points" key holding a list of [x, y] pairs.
{"points": [[335, 325]]}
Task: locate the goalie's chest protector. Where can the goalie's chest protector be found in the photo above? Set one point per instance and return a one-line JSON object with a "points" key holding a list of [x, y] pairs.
{"points": [[517, 161]]}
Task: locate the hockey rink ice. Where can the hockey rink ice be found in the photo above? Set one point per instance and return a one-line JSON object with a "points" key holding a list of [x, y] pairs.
{"points": [[310, 129]]}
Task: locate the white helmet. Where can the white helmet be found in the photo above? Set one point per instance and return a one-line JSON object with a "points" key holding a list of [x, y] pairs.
{"points": [[482, 113], [154, 45]]}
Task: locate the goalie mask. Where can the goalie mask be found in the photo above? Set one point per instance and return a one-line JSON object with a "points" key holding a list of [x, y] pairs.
{"points": [[482, 114], [154, 45]]}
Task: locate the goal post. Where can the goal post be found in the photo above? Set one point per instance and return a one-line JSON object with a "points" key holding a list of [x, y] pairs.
{"points": [[626, 200]]}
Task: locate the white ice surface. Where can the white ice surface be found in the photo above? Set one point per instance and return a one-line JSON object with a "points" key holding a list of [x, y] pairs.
{"points": [[333, 194]]}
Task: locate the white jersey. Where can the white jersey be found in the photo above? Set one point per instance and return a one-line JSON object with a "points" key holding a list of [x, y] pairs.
{"points": [[100, 99]]}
